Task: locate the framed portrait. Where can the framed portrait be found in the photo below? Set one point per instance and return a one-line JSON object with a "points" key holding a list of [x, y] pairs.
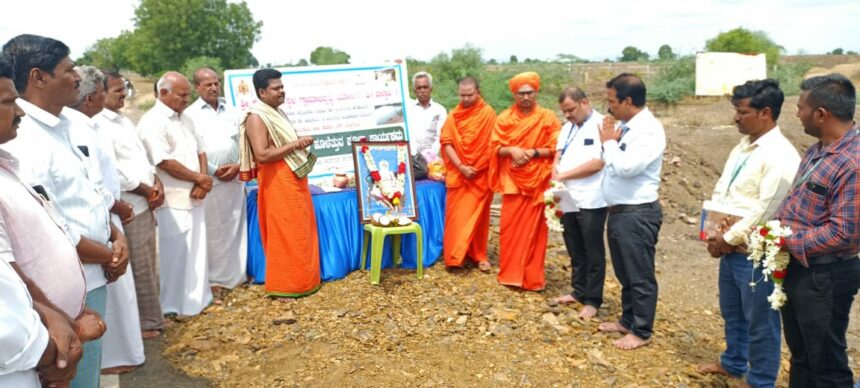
{"points": [[383, 179]]}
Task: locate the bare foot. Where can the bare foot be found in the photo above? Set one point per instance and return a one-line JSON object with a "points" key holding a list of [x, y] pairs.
{"points": [[118, 370], [714, 368], [566, 299], [485, 266], [150, 334], [587, 312], [630, 342], [612, 327]]}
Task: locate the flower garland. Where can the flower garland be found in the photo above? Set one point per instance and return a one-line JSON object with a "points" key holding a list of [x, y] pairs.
{"points": [[765, 250], [552, 212], [386, 192]]}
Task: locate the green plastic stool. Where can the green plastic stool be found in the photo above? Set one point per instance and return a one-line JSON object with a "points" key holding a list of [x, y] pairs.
{"points": [[378, 233]]}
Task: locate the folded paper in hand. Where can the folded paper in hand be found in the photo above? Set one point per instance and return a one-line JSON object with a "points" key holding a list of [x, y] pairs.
{"points": [[716, 219], [566, 202]]}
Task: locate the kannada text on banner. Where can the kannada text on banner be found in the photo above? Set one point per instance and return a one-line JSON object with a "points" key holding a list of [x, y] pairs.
{"points": [[336, 105]]}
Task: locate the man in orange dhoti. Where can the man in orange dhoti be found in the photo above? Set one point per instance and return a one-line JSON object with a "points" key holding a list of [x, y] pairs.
{"points": [[465, 138], [522, 145], [288, 228]]}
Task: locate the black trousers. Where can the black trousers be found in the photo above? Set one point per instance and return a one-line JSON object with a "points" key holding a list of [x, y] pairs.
{"points": [[632, 239], [815, 319], [583, 238]]}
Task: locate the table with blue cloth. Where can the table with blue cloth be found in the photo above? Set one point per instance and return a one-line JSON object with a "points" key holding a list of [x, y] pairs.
{"points": [[341, 232]]}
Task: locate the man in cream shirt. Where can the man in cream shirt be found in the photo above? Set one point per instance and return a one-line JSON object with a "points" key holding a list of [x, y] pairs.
{"points": [[756, 178]]}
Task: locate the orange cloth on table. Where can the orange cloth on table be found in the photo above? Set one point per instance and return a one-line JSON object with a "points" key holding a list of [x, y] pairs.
{"points": [[288, 230], [467, 202], [523, 230]]}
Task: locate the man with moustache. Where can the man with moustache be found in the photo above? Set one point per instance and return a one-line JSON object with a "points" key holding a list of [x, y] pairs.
{"points": [[522, 147], [633, 154], [37, 339], [177, 150], [123, 346], [755, 179], [579, 164], [225, 205], [424, 119], [822, 211], [271, 148], [141, 189], [57, 169]]}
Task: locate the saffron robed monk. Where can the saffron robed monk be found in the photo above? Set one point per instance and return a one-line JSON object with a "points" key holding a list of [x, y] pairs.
{"points": [[522, 145], [464, 139], [288, 228]]}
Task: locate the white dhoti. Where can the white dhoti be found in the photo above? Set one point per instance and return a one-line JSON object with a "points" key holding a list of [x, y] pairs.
{"points": [[182, 260], [226, 234], [122, 344]]}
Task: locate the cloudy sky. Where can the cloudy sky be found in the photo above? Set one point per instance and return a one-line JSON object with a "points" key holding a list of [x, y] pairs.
{"points": [[384, 29]]}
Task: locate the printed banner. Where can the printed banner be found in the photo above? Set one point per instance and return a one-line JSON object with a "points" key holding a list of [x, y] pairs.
{"points": [[336, 105]]}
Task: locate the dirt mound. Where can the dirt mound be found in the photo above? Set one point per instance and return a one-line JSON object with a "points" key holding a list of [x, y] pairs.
{"points": [[850, 70]]}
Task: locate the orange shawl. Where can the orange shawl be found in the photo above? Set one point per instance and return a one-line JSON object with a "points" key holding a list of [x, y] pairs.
{"points": [[536, 130], [468, 130]]}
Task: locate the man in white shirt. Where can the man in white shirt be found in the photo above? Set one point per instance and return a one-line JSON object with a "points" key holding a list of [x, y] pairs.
{"points": [[142, 189], [54, 166], [633, 154], [756, 178], [225, 205], [424, 119], [36, 341], [579, 165], [122, 343], [177, 150]]}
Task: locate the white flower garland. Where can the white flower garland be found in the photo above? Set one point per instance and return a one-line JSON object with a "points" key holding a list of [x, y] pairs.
{"points": [[765, 248], [552, 212]]}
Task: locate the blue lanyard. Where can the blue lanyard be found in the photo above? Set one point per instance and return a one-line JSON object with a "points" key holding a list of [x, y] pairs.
{"points": [[571, 136]]}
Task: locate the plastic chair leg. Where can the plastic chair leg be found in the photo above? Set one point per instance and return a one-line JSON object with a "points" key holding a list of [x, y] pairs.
{"points": [[395, 250], [364, 242], [419, 260], [376, 257]]}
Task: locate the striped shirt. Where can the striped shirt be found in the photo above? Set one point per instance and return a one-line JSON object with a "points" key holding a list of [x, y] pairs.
{"points": [[822, 207]]}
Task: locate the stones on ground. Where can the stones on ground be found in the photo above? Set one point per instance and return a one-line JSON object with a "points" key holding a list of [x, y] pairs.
{"points": [[288, 318]]}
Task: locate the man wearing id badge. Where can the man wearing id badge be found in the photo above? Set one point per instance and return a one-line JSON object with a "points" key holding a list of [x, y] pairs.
{"points": [[579, 165], [755, 179]]}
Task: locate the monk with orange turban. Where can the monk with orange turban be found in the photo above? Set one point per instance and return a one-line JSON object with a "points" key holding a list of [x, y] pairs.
{"points": [[465, 139], [523, 145]]}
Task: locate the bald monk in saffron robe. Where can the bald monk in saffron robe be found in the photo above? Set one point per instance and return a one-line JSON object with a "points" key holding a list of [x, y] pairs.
{"points": [[465, 140], [522, 146], [288, 228]]}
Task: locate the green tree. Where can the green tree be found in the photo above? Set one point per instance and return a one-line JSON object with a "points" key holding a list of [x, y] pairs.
{"points": [[665, 53], [324, 55], [741, 40], [170, 32], [513, 60], [108, 53], [302, 62], [633, 54], [850, 52], [837, 51]]}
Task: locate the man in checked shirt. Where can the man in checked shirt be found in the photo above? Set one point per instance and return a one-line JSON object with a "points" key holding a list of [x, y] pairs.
{"points": [[823, 211]]}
